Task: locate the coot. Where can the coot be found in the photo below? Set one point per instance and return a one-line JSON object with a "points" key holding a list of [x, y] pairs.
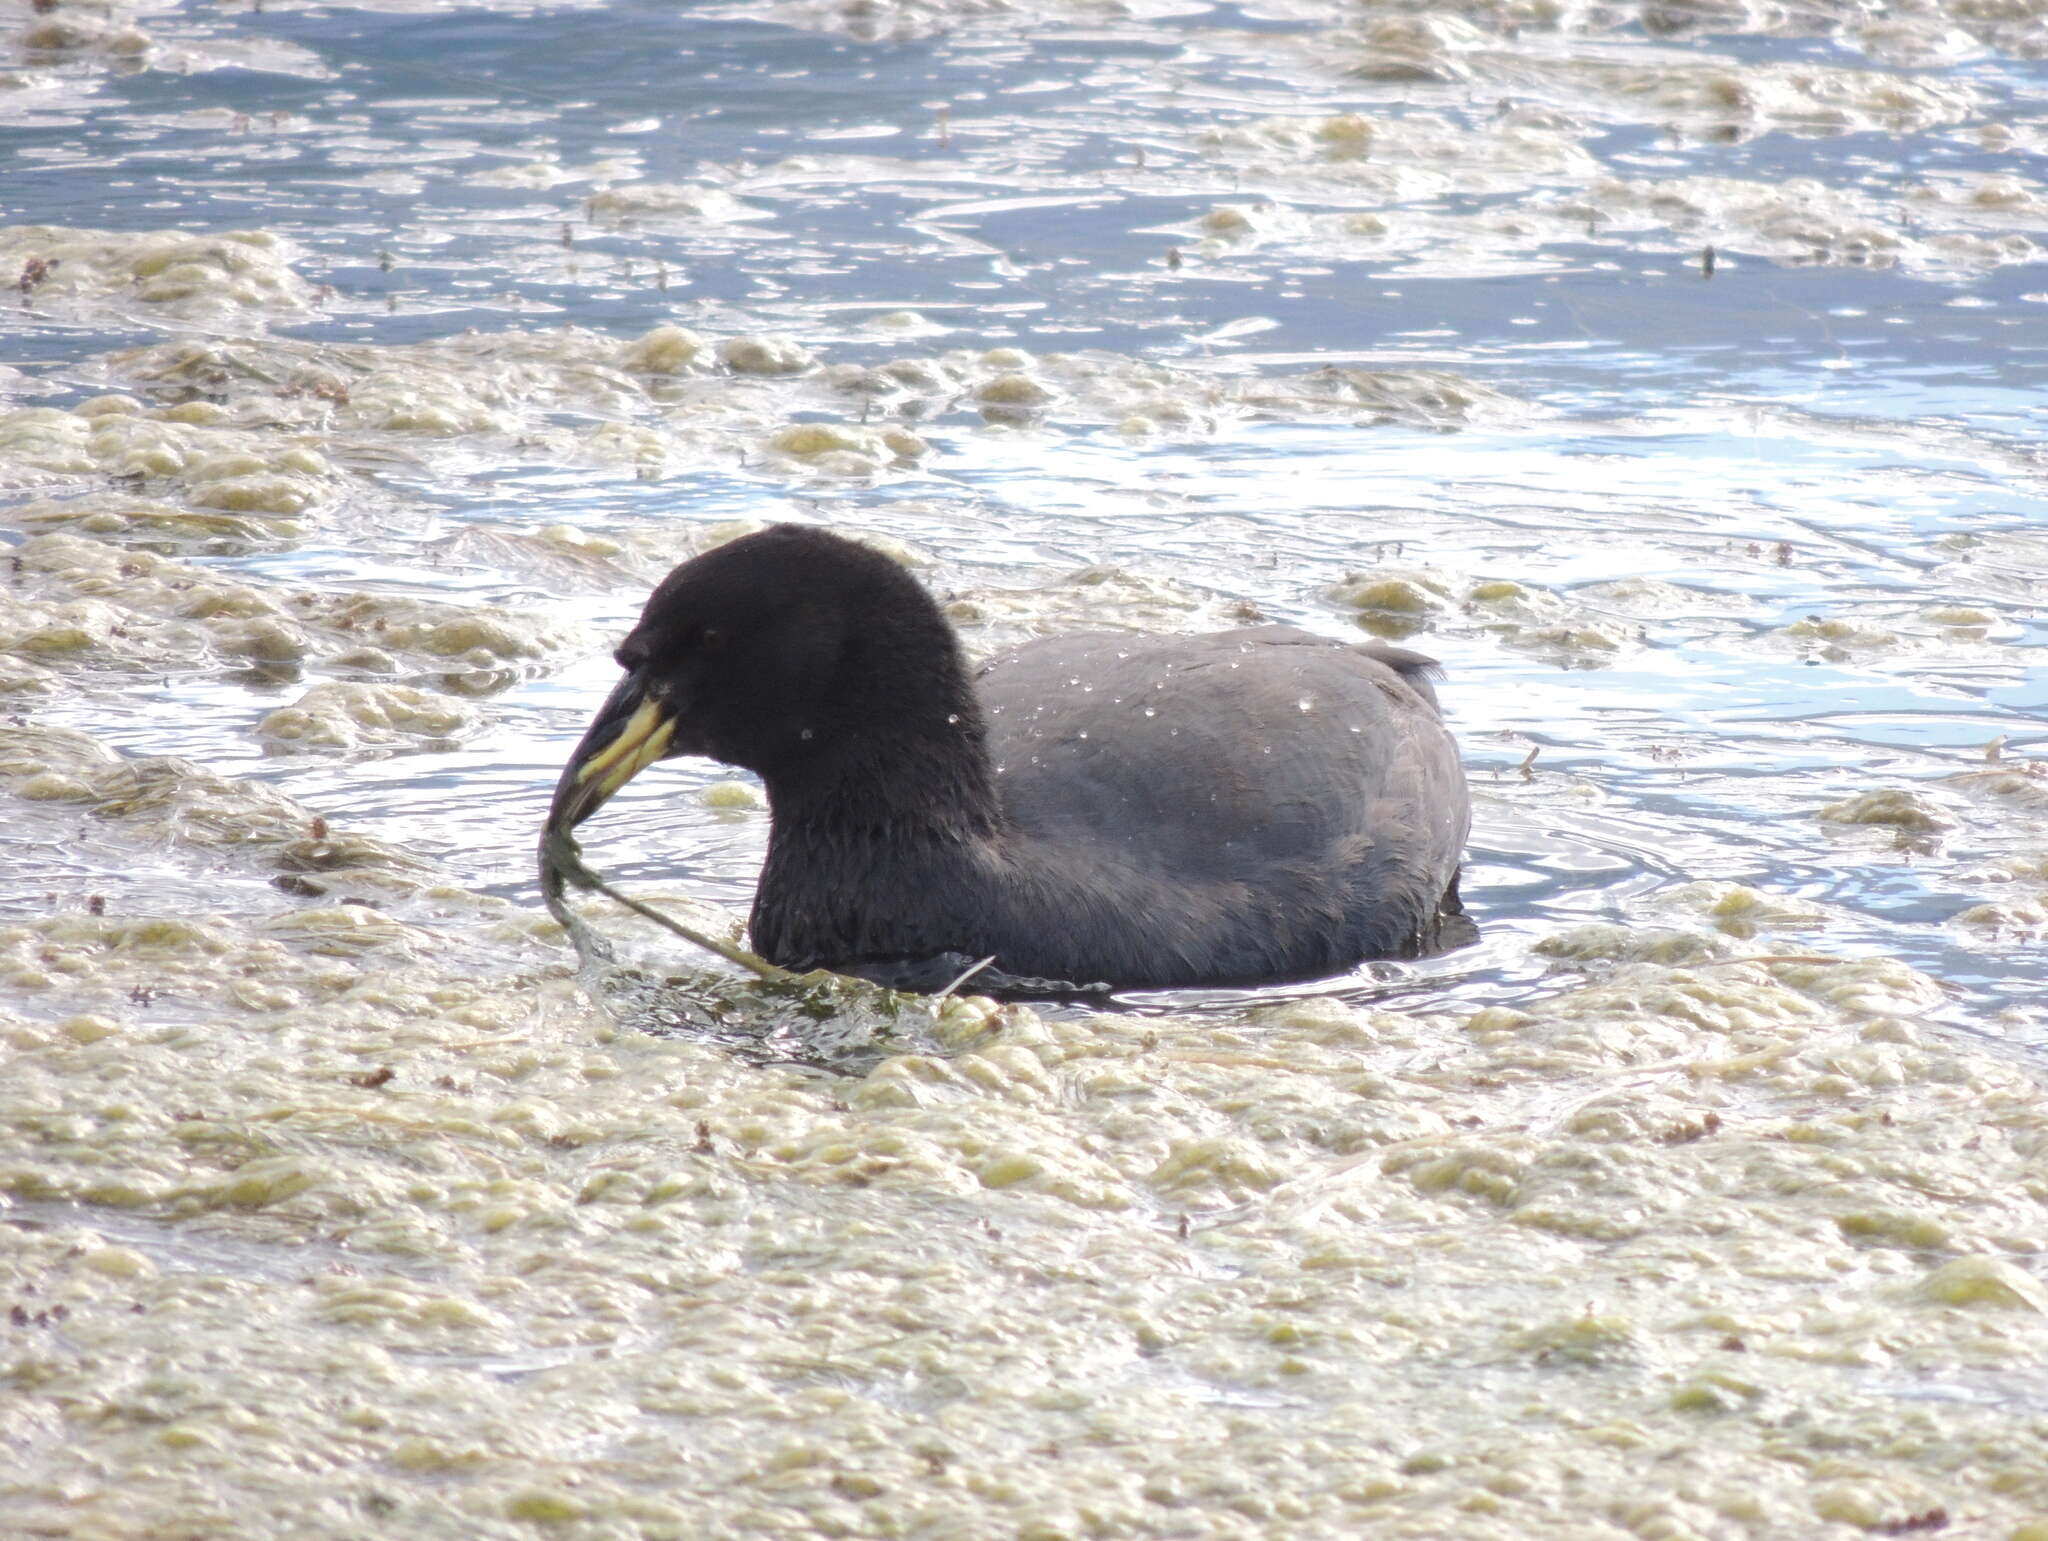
{"points": [[1133, 811]]}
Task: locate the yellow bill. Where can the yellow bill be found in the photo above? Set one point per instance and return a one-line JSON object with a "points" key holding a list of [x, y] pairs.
{"points": [[642, 741]]}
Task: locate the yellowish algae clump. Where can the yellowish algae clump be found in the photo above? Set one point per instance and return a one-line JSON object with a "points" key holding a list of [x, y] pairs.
{"points": [[843, 449], [80, 602], [1899, 808], [666, 350], [215, 468], [764, 356], [348, 715], [733, 796], [239, 273]]}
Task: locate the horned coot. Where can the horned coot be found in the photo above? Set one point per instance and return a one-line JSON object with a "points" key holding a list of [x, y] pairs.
{"points": [[1110, 809]]}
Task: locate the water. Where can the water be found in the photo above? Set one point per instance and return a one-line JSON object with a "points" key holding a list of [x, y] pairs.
{"points": [[1349, 319]]}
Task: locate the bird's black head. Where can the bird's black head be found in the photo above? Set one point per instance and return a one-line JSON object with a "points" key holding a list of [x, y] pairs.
{"points": [[794, 653]]}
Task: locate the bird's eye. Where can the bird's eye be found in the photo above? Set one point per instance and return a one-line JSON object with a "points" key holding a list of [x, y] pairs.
{"points": [[711, 639]]}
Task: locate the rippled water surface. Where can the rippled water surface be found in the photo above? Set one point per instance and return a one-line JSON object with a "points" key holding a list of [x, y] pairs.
{"points": [[1674, 374]]}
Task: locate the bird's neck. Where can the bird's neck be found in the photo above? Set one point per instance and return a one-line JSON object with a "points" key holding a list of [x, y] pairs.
{"points": [[880, 820], [925, 777], [869, 853]]}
